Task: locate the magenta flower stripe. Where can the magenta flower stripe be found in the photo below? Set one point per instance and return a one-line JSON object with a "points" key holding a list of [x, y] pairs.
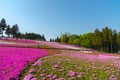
{"points": [[14, 60]]}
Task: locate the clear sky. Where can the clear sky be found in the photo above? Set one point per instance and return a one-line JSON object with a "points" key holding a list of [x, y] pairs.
{"points": [[53, 17]]}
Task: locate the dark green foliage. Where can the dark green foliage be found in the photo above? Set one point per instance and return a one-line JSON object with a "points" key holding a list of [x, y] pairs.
{"points": [[51, 40], [107, 40], [43, 38], [15, 33], [33, 36], [15, 30], [77, 42], [72, 38], [83, 40], [118, 40], [87, 40], [97, 39], [3, 26], [8, 30], [65, 38], [57, 39]]}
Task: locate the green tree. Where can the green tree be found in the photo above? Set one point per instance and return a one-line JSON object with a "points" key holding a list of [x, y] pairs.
{"points": [[57, 39], [115, 45], [97, 39], [15, 30], [110, 38], [65, 38], [105, 33], [72, 38], [77, 41], [33, 36], [3, 25], [118, 40], [87, 40], [43, 38], [8, 31], [19, 35]]}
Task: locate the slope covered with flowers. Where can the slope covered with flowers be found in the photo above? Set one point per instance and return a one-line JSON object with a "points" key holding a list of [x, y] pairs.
{"points": [[73, 65], [14, 60]]}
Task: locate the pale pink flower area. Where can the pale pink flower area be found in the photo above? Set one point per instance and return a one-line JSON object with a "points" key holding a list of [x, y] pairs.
{"points": [[19, 40], [71, 73], [29, 77], [49, 75], [31, 70], [42, 75], [56, 66], [14, 60], [79, 75], [39, 62], [34, 79], [61, 79], [54, 77]]}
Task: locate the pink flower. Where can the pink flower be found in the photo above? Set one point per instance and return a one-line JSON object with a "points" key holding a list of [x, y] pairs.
{"points": [[54, 77], [79, 76], [50, 75], [34, 79], [42, 75], [61, 79], [72, 73], [28, 77], [56, 66], [32, 70]]}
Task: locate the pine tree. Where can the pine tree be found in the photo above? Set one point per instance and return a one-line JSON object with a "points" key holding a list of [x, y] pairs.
{"points": [[3, 25], [8, 30]]}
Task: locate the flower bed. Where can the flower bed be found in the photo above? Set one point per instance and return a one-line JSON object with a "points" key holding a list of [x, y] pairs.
{"points": [[14, 60], [19, 40], [75, 66]]}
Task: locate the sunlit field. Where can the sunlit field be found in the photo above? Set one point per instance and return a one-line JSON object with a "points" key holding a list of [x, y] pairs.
{"points": [[75, 66], [41, 60], [60, 40]]}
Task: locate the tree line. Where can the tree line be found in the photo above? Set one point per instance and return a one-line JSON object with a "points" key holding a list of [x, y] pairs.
{"points": [[106, 40], [15, 32], [57, 39]]}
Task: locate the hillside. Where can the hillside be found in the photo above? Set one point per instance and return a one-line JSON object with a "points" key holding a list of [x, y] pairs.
{"points": [[64, 61]]}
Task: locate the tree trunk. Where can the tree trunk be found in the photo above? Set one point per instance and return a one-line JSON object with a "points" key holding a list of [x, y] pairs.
{"points": [[111, 48], [2, 33]]}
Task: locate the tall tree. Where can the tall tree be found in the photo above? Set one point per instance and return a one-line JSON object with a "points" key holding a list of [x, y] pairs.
{"points": [[118, 40], [0, 29], [65, 38], [97, 39], [43, 38], [105, 32], [3, 25], [87, 40], [110, 38], [77, 41], [115, 46], [15, 30], [8, 30], [72, 38], [57, 39]]}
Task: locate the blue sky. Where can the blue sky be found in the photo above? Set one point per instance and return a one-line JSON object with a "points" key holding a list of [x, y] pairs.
{"points": [[54, 17]]}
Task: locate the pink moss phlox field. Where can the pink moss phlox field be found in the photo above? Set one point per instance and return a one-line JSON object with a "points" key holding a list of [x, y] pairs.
{"points": [[12, 45], [101, 57], [20, 40], [58, 45], [14, 60], [53, 44]]}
